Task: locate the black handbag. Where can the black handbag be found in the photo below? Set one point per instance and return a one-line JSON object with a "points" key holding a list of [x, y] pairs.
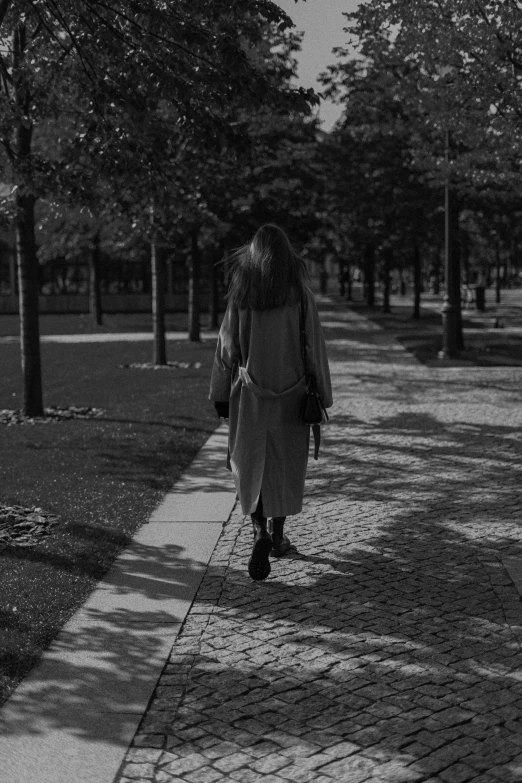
{"points": [[312, 410]]}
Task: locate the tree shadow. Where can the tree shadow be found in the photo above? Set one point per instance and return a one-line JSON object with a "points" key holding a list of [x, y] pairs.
{"points": [[365, 656], [153, 466], [391, 637], [107, 658], [391, 632], [165, 423], [396, 643], [345, 646]]}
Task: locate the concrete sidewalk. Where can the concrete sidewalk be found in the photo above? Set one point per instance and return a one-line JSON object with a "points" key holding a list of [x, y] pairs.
{"points": [[73, 718], [108, 337], [386, 648]]}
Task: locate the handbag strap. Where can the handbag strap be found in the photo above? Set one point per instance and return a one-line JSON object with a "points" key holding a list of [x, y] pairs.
{"points": [[303, 307], [316, 429]]}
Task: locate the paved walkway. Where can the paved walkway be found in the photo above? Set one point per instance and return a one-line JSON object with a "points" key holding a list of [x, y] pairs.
{"points": [[107, 337], [386, 648]]}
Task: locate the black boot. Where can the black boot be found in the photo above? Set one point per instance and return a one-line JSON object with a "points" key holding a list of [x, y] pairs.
{"points": [[280, 543], [259, 564]]}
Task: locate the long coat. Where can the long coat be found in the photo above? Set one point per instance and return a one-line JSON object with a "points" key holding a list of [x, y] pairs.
{"points": [[258, 367]]}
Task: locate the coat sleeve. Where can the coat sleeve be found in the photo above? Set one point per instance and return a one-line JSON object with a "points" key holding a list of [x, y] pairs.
{"points": [[228, 354], [316, 352]]}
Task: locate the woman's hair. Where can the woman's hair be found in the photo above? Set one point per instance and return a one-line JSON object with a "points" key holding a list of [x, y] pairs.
{"points": [[267, 273]]}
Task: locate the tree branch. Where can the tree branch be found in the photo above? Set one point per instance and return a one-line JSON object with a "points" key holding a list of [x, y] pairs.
{"points": [[157, 36], [51, 32], [4, 6], [113, 30], [5, 72], [37, 31], [9, 150], [59, 16]]}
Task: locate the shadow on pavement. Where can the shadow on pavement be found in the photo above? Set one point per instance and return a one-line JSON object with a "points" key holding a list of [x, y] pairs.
{"points": [[100, 664], [386, 648]]}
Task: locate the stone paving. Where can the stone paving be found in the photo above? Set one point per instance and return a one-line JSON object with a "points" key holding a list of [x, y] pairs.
{"points": [[387, 646]]}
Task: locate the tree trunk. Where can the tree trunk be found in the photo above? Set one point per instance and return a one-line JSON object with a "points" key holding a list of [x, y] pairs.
{"points": [[388, 261], [451, 311], [168, 277], [507, 270], [193, 288], [436, 273], [402, 284], [226, 268], [513, 265], [342, 279], [497, 276], [213, 305], [158, 306], [145, 276], [456, 277], [323, 280], [28, 289], [465, 261], [348, 283], [26, 258], [369, 269], [12, 275], [95, 305], [417, 280]]}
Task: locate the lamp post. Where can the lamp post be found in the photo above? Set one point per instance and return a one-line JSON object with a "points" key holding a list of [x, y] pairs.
{"points": [[449, 310]]}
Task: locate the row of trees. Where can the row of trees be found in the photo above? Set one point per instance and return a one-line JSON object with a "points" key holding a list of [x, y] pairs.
{"points": [[130, 126], [153, 121], [433, 104]]}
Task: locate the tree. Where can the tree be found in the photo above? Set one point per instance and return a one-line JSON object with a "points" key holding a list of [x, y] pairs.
{"points": [[453, 69], [108, 65], [186, 187], [265, 173], [372, 178]]}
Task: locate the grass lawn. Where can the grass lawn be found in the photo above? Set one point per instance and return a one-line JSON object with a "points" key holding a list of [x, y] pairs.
{"points": [[102, 477], [82, 323], [485, 343]]}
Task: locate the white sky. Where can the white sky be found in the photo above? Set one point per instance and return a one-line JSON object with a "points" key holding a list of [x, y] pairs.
{"points": [[322, 22]]}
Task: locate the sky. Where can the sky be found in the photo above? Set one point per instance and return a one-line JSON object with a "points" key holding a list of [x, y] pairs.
{"points": [[322, 22]]}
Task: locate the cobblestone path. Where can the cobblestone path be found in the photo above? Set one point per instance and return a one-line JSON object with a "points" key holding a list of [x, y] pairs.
{"points": [[386, 647]]}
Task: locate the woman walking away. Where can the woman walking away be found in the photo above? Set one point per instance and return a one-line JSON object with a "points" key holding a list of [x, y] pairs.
{"points": [[258, 383]]}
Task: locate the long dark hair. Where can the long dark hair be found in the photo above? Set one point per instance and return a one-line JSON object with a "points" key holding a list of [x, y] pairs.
{"points": [[267, 273]]}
